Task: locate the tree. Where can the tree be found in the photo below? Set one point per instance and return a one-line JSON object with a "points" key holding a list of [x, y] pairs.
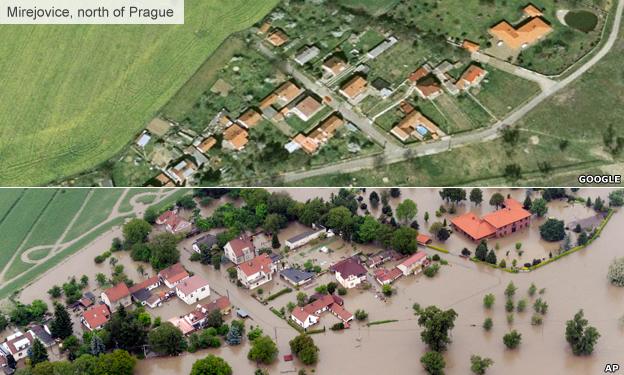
{"points": [[436, 325], [433, 362], [71, 345], [136, 231], [616, 272], [164, 251], [476, 196], [581, 337], [55, 291], [125, 331], [211, 365], [497, 200], [263, 350], [404, 240], [510, 290], [487, 324], [96, 346], [186, 202], [491, 257], [395, 192], [406, 210], [488, 300], [373, 198], [360, 314], [4, 322], [443, 234], [527, 203], [481, 251], [275, 243], [273, 223], [369, 229], [214, 319], [479, 365], [167, 339], [37, 353], [539, 207], [303, 347], [235, 335], [552, 230], [341, 219], [598, 204], [582, 239], [62, 326], [512, 339], [616, 198]]}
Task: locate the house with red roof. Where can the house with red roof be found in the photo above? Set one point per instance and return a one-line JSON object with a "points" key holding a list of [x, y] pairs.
{"points": [[193, 289], [118, 295], [173, 275], [95, 317], [423, 239], [240, 250], [414, 264], [349, 272], [173, 223], [507, 220], [197, 317], [256, 271], [471, 77], [309, 314], [18, 343], [385, 276]]}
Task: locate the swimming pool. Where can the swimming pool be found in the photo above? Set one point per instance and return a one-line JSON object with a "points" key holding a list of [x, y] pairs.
{"points": [[422, 130]]}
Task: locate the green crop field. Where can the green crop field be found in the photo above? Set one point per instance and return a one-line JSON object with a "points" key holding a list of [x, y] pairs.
{"points": [[97, 210], [73, 96]]}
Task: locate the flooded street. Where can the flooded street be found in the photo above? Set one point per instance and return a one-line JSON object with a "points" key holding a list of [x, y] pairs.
{"points": [[571, 283]]}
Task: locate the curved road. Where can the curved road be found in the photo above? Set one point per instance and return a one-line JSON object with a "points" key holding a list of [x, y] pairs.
{"points": [[397, 154]]}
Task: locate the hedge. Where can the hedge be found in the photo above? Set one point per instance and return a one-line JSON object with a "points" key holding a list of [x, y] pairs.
{"points": [[378, 322], [281, 292], [436, 248]]}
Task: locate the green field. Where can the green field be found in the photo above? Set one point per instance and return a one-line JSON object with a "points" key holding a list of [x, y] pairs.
{"points": [[73, 96], [375, 7], [96, 210], [504, 92]]}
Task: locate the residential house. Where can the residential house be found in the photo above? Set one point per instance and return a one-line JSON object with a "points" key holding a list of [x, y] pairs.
{"points": [[193, 289], [349, 272], [306, 108], [326, 129], [309, 314], [208, 241], [308, 54], [354, 87], [141, 292], [529, 31], [118, 295], [250, 118], [385, 276], [17, 344], [287, 92], [235, 138], [382, 47], [95, 317], [206, 144], [296, 277], [303, 238], [414, 264], [182, 171], [197, 317], [173, 223], [256, 272], [183, 325], [423, 239], [470, 46], [277, 38], [173, 275], [415, 124], [144, 139], [334, 66], [42, 333], [240, 250], [507, 220], [472, 77]]}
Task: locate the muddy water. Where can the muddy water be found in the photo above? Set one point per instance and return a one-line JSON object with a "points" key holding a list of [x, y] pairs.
{"points": [[573, 282]]}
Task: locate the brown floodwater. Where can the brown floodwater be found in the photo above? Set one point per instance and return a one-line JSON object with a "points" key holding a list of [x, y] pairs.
{"points": [[571, 283]]}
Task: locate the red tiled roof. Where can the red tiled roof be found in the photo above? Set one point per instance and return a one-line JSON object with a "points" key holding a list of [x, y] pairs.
{"points": [[423, 239], [383, 274], [415, 258], [341, 313], [238, 244], [220, 303], [174, 273], [96, 316], [260, 263], [136, 287], [319, 304], [473, 226], [421, 72], [349, 267], [11, 343], [191, 284], [301, 314], [117, 292], [512, 212]]}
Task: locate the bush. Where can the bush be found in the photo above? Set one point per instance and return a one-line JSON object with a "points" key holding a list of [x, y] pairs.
{"points": [[338, 326], [521, 305], [433, 363], [342, 291], [616, 272], [552, 230], [435, 257], [488, 300], [537, 319], [360, 314], [487, 324], [432, 270], [512, 339]]}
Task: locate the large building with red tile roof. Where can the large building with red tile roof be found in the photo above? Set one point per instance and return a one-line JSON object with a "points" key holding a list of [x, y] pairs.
{"points": [[95, 317], [256, 272], [118, 295], [240, 250], [173, 222], [173, 275], [309, 314], [509, 219], [529, 31]]}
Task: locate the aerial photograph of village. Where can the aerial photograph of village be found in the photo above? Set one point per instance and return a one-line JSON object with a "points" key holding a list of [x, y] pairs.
{"points": [[320, 93], [311, 281]]}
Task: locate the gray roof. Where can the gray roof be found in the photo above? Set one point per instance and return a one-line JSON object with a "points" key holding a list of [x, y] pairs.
{"points": [[301, 236], [208, 240], [142, 295], [42, 335], [296, 275]]}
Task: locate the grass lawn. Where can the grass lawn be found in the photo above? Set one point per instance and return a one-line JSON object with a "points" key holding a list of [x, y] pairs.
{"points": [[7, 200], [54, 126], [300, 126], [504, 92], [96, 211], [396, 64], [39, 254], [477, 114]]}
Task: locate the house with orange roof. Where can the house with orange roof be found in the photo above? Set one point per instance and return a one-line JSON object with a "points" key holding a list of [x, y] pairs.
{"points": [[416, 124], [95, 317], [327, 128], [470, 46], [300, 141], [287, 92], [277, 38], [385, 276], [264, 28], [354, 87], [307, 107], [207, 144], [334, 66], [532, 29], [173, 223], [507, 220], [471, 77], [235, 138], [256, 272], [173, 275], [309, 314], [240, 250], [423, 239], [250, 118], [118, 295]]}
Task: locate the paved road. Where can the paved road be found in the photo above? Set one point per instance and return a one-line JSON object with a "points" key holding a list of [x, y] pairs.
{"points": [[543, 81], [397, 154]]}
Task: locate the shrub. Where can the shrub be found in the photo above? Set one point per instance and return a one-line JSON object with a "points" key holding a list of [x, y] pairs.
{"points": [[616, 272], [521, 305], [487, 324], [537, 319], [360, 314], [435, 257], [512, 339], [432, 270], [509, 305], [488, 300]]}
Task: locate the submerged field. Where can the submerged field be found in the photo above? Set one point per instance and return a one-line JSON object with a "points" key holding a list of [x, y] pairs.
{"points": [[73, 96]]}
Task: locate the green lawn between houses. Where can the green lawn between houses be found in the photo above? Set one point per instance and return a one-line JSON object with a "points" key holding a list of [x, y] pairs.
{"points": [[83, 102]]}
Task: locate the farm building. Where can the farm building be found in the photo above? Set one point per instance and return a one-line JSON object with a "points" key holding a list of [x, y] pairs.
{"points": [[509, 219]]}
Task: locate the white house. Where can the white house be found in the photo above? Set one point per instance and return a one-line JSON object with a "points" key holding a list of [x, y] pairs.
{"points": [[303, 238], [303, 318], [349, 272], [173, 275], [173, 223], [413, 264], [17, 344], [95, 317], [256, 272], [118, 295], [240, 250], [193, 289]]}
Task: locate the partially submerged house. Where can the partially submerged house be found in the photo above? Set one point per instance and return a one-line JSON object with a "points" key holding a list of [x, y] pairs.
{"points": [[414, 264], [309, 314], [116, 296], [349, 272], [239, 250], [207, 241], [256, 271], [193, 289], [18, 343], [296, 277], [173, 222], [173, 275], [303, 238], [95, 317], [502, 222]]}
